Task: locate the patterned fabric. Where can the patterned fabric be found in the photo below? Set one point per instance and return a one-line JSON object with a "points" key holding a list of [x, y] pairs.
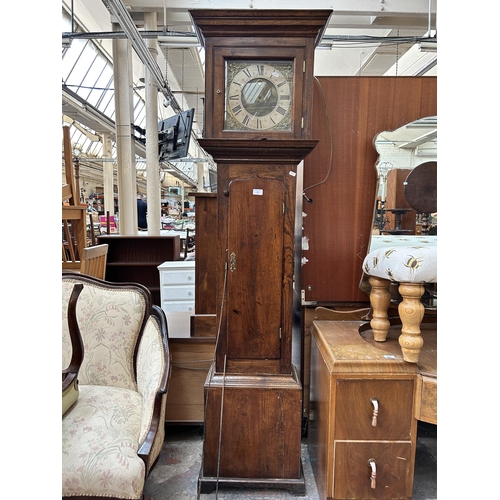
{"points": [[109, 322], [150, 371], [397, 240], [403, 264], [100, 442]]}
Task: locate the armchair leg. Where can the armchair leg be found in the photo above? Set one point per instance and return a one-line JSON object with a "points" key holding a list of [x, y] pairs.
{"points": [[380, 299], [411, 312]]}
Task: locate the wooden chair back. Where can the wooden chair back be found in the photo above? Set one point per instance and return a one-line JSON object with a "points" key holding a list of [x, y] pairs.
{"points": [[74, 214], [93, 261]]}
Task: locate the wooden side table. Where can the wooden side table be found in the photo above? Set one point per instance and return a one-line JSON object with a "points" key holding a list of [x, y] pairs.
{"points": [[362, 429]]}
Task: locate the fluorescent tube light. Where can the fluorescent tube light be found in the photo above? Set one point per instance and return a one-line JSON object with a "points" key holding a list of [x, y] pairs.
{"points": [[178, 41], [427, 47]]}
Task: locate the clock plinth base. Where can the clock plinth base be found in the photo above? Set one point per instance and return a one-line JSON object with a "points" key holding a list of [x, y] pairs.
{"points": [[256, 443], [296, 487]]}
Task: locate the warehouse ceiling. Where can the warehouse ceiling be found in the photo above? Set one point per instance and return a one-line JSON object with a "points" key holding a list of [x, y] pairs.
{"points": [[363, 38]]}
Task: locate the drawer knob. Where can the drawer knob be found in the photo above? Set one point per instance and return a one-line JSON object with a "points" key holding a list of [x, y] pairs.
{"points": [[375, 411], [373, 473]]}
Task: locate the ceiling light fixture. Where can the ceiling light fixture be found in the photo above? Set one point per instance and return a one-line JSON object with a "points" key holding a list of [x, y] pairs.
{"points": [[427, 47], [178, 41]]}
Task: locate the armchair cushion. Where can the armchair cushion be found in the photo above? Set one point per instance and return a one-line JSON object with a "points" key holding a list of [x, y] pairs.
{"points": [[100, 443]]}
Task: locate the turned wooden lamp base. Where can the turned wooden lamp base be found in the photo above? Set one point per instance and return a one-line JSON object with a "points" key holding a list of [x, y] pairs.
{"points": [[411, 313]]}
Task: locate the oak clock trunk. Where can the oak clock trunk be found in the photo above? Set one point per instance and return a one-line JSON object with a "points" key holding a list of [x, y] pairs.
{"points": [[257, 124], [254, 327]]}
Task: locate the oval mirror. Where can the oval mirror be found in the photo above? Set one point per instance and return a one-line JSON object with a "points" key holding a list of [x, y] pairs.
{"points": [[405, 208], [406, 197]]}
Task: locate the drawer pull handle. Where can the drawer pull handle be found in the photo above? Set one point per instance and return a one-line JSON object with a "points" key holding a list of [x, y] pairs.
{"points": [[375, 411], [373, 473]]}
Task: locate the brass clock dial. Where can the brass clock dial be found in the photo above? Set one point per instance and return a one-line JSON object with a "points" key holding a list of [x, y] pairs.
{"points": [[258, 95]]}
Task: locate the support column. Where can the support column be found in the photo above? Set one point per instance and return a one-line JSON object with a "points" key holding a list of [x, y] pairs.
{"points": [[152, 165], [126, 171], [201, 175], [107, 174]]}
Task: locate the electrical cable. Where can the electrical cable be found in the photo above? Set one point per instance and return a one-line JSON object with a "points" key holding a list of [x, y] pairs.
{"points": [[309, 200], [220, 429], [223, 384]]}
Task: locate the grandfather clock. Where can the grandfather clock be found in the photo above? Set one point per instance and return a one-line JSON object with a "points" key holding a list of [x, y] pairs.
{"points": [[258, 97]]}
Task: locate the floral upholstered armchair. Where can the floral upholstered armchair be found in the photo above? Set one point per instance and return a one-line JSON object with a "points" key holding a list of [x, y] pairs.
{"points": [[113, 433]]}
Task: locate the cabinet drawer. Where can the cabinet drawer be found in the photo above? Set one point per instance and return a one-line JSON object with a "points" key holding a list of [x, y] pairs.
{"points": [[354, 410], [177, 277], [393, 464], [177, 305], [179, 292]]}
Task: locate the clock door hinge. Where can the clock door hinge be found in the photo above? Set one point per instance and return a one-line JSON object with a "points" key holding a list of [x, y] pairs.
{"points": [[304, 67], [280, 332], [302, 122]]}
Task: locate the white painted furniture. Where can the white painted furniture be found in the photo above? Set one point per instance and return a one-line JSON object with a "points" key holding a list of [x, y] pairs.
{"points": [[177, 289]]}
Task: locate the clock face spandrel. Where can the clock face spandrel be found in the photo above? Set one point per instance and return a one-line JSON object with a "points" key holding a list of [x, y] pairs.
{"points": [[258, 95]]}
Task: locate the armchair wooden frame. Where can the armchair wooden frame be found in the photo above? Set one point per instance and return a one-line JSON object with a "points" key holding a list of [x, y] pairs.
{"points": [[70, 374]]}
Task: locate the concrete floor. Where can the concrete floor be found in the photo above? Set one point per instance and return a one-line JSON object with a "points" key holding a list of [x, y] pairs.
{"points": [[175, 475]]}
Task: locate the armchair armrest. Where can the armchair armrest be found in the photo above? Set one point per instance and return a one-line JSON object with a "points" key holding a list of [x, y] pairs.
{"points": [[153, 375], [70, 374]]}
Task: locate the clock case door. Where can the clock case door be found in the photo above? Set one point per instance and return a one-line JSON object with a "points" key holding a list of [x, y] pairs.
{"points": [[216, 101], [255, 231], [255, 268]]}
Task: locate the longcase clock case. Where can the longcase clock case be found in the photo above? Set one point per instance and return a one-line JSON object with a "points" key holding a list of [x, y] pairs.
{"points": [[253, 395]]}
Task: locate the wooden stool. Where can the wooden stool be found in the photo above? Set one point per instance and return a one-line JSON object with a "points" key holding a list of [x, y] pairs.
{"points": [[411, 267]]}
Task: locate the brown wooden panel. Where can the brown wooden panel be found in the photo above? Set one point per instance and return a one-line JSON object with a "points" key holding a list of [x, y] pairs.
{"points": [[206, 253], [395, 409], [191, 360], [254, 278], [256, 440], [204, 325], [320, 431], [394, 465], [338, 222], [136, 259]]}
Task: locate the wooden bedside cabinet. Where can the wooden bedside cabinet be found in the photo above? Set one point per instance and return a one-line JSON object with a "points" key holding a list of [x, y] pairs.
{"points": [[362, 429]]}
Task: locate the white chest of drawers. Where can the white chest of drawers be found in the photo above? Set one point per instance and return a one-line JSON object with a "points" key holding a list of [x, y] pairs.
{"points": [[177, 282]]}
